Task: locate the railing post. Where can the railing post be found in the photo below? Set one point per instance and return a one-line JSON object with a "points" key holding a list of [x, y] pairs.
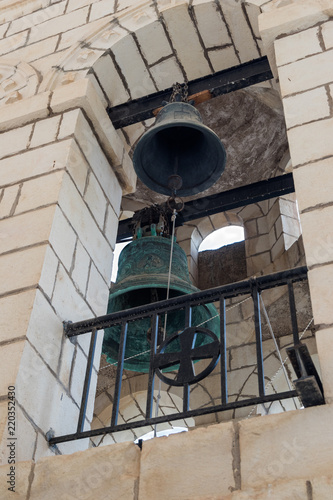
{"points": [[223, 353], [120, 367], [257, 324], [87, 380], [151, 376]]}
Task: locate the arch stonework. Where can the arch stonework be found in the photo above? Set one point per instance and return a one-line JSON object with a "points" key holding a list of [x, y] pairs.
{"points": [[64, 171]]}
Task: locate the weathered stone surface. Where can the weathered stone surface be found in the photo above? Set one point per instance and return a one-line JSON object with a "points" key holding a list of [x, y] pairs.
{"points": [[111, 470], [22, 472], [303, 149], [23, 268], [33, 163], [274, 448], [321, 282], [324, 339], [314, 184], [288, 490], [13, 325], [174, 467], [10, 357], [298, 46], [222, 266]]}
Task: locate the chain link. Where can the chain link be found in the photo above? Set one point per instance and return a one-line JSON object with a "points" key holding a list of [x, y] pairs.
{"points": [[181, 90]]}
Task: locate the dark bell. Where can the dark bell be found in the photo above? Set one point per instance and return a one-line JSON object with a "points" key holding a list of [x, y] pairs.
{"points": [[179, 154], [142, 278]]}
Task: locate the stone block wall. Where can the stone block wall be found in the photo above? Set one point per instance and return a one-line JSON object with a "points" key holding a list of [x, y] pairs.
{"points": [[60, 202], [286, 456], [301, 42]]}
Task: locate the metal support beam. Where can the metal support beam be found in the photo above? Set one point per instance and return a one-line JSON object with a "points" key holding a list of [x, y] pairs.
{"points": [[222, 82], [221, 202]]}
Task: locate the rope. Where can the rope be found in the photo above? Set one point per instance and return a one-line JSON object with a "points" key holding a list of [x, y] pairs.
{"points": [[270, 383], [173, 219], [276, 348]]}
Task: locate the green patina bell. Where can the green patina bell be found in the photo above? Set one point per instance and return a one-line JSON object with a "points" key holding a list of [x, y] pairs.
{"points": [[142, 278]]}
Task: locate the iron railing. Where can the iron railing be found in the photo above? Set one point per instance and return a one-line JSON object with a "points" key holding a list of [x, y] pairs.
{"points": [[216, 350]]}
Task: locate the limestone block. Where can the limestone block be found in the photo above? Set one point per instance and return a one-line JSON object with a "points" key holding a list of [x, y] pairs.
{"points": [[14, 42], [46, 339], [21, 112], [133, 68], [27, 437], [40, 192], [166, 73], [204, 226], [253, 10], [278, 248], [78, 374], [22, 269], [101, 9], [8, 200], [15, 140], [13, 325], [211, 26], [153, 51], [35, 51], [258, 262], [96, 200], [97, 292], [223, 58], [3, 29], [36, 18], [86, 228], [22, 473], [26, 229], [306, 107], [322, 487], [327, 32], [66, 360], [49, 272], [67, 301], [181, 29], [324, 340], [77, 167], [45, 131], [314, 184], [195, 465], [58, 25], [240, 32], [82, 94], [306, 74], [289, 455], [290, 226], [96, 158], [33, 163], [41, 395], [250, 228], [298, 46], [89, 474], [77, 4], [303, 147], [111, 225], [255, 246], [110, 80], [81, 267], [10, 355], [318, 235]]}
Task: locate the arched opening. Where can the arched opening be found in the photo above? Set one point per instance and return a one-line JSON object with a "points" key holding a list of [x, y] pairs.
{"points": [[222, 237]]}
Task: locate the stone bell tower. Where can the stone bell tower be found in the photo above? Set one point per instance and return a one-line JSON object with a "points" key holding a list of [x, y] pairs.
{"points": [[66, 179]]}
